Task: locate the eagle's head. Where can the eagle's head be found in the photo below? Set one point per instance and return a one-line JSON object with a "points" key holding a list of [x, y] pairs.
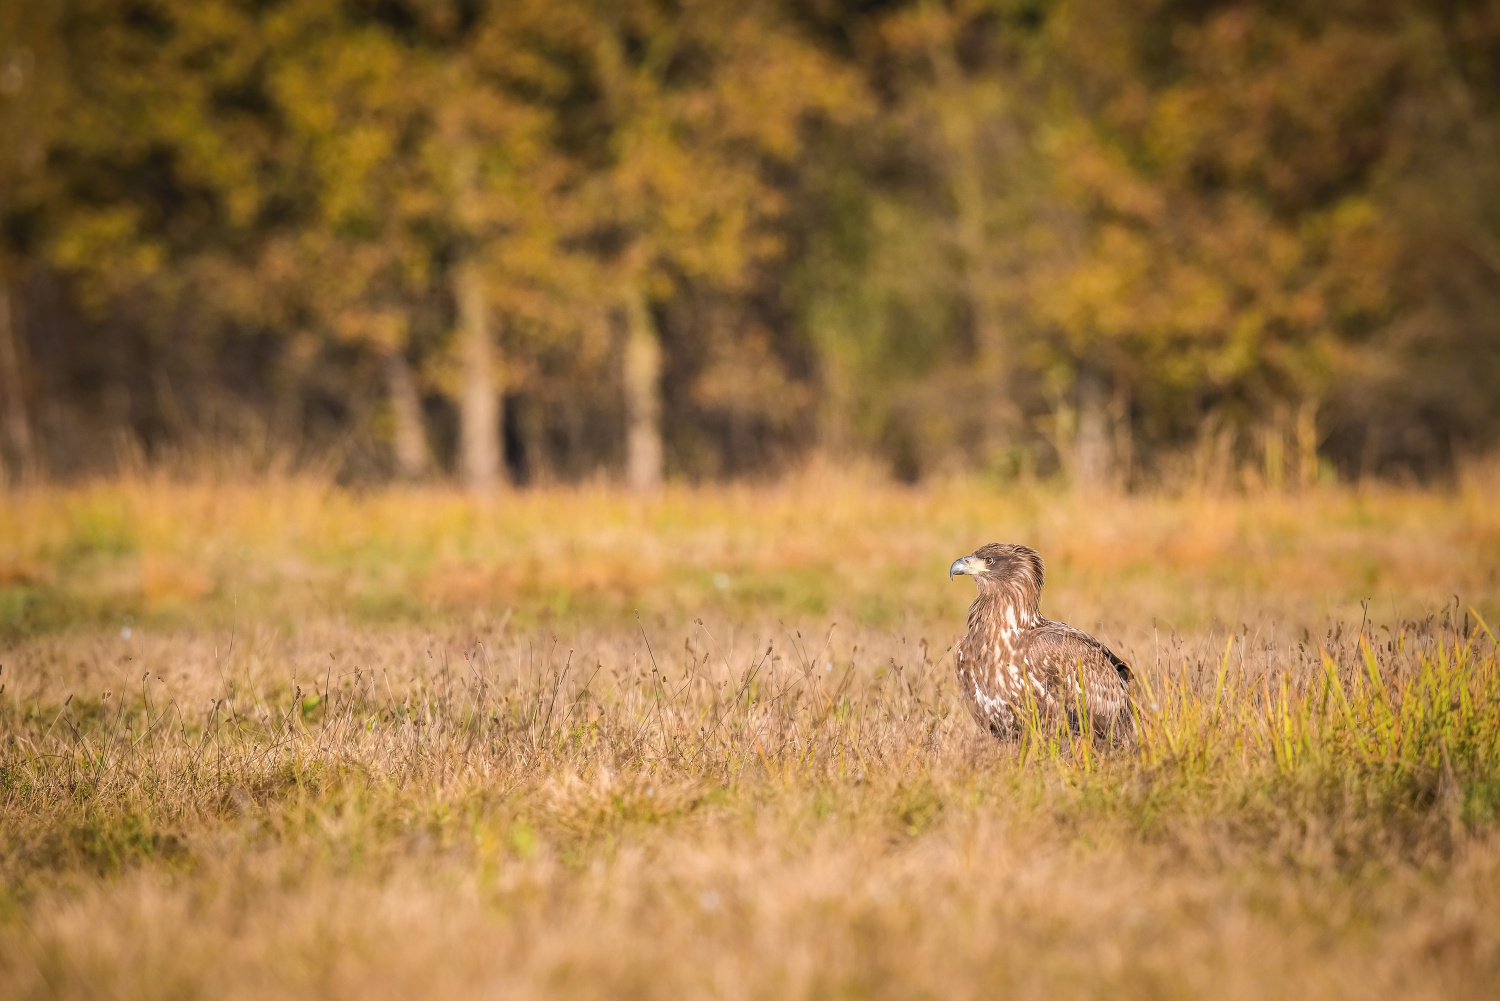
{"points": [[1010, 566]]}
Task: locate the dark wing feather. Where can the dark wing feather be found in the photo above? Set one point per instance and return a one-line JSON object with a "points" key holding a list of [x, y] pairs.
{"points": [[1060, 654], [1122, 668]]}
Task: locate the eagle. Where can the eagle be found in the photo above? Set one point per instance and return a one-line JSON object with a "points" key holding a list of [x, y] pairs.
{"points": [[1013, 663]]}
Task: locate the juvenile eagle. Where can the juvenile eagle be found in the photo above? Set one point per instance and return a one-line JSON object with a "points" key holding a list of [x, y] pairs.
{"points": [[1013, 662]]}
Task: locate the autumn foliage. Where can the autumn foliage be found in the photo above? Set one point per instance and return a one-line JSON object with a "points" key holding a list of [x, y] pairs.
{"points": [[1128, 241]]}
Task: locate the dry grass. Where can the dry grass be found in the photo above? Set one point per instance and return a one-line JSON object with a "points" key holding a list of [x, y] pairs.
{"points": [[397, 745], [820, 549]]}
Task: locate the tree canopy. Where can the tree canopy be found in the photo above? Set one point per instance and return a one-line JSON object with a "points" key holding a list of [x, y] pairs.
{"points": [[1124, 240]]}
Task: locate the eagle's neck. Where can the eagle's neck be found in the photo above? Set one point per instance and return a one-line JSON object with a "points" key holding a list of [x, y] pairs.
{"points": [[1006, 606]]}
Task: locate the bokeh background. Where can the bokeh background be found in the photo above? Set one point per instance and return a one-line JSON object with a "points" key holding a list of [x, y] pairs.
{"points": [[1135, 243]]}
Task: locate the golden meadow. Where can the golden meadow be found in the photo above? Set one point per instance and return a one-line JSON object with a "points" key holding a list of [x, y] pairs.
{"points": [[285, 739]]}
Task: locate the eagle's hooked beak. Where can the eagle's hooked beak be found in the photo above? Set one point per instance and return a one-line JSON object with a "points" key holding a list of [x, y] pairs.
{"points": [[970, 565]]}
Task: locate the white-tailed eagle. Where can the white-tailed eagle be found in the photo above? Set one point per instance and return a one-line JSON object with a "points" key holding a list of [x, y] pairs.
{"points": [[1013, 663]]}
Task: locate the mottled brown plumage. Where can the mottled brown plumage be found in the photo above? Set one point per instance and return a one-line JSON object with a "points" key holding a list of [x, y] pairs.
{"points": [[1013, 663]]}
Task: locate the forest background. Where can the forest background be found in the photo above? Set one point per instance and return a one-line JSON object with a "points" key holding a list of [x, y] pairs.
{"points": [[1123, 241]]}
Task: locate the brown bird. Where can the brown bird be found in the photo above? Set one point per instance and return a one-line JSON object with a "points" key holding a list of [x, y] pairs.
{"points": [[1012, 662]]}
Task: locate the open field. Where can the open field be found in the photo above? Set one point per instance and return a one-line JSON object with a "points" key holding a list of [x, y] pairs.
{"points": [[286, 740]]}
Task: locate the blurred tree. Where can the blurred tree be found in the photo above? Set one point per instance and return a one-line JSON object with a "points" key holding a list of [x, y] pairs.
{"points": [[960, 91], [29, 98], [354, 98], [912, 278], [1232, 166], [1174, 220], [147, 169], [683, 137], [1094, 235], [427, 162]]}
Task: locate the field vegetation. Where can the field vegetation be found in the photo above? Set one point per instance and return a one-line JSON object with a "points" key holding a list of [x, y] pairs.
{"points": [[289, 740]]}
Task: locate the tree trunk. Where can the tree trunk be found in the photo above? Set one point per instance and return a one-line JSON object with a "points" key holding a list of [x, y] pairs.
{"points": [[16, 456], [479, 411], [1124, 456], [835, 402], [1093, 447], [1307, 444], [1273, 450], [410, 444], [643, 446], [966, 187]]}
